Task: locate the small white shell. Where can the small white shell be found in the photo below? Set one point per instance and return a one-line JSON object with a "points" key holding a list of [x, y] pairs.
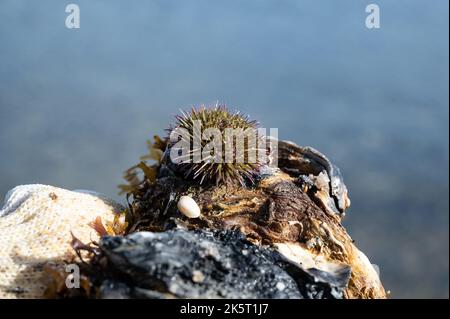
{"points": [[188, 207]]}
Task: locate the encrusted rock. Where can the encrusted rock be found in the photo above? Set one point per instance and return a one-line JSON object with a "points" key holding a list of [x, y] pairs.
{"points": [[300, 204]]}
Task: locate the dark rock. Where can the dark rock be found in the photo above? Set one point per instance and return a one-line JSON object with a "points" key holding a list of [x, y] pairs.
{"points": [[207, 264]]}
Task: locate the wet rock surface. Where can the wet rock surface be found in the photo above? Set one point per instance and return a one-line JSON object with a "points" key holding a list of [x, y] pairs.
{"points": [[207, 264]]}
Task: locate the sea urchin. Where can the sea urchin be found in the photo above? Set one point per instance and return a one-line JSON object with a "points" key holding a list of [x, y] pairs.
{"points": [[216, 145]]}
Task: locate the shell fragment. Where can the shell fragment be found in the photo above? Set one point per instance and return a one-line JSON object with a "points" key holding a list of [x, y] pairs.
{"points": [[188, 207]]}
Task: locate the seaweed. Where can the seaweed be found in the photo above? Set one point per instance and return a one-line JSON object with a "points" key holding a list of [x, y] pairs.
{"points": [[131, 175]]}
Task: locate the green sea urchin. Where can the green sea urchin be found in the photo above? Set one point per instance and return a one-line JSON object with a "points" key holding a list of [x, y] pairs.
{"points": [[219, 146]]}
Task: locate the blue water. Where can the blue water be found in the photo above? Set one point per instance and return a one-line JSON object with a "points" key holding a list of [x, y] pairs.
{"points": [[76, 106]]}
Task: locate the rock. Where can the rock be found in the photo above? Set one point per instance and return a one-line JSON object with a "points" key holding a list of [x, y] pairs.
{"points": [[36, 223], [300, 205], [208, 264]]}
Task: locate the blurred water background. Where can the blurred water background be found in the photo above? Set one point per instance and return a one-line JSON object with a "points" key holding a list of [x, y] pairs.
{"points": [[76, 106]]}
